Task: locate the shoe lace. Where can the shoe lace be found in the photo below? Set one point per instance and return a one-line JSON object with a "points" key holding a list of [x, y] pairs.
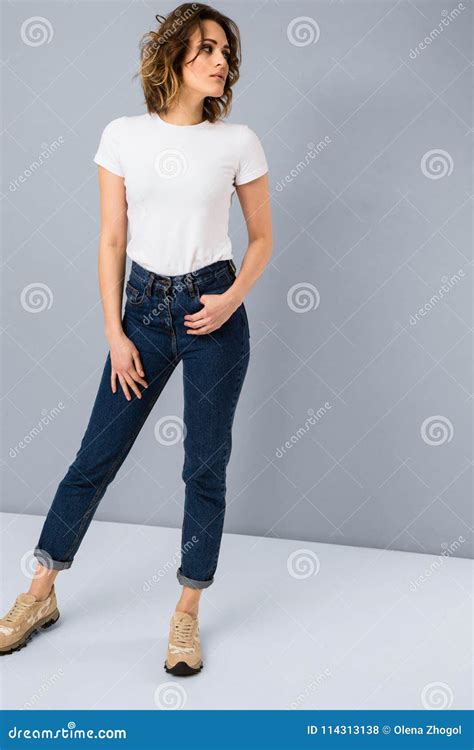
{"points": [[182, 635], [16, 611]]}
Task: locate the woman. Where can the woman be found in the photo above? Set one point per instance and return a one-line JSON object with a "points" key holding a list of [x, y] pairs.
{"points": [[169, 175]]}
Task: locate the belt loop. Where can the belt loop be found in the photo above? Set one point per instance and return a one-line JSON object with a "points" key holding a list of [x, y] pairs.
{"points": [[190, 284], [232, 265], [149, 284]]}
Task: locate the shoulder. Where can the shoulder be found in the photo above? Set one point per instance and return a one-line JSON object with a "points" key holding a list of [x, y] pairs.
{"points": [[114, 125], [124, 124], [234, 128], [248, 138], [239, 134]]}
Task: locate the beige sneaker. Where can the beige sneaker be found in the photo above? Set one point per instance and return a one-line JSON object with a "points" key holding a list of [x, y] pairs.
{"points": [[183, 657], [26, 617]]}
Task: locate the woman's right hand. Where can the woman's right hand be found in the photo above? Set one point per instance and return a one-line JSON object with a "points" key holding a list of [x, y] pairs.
{"points": [[126, 365]]}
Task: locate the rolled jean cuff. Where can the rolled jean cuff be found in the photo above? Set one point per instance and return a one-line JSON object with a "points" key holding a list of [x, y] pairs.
{"points": [[191, 582], [47, 561]]}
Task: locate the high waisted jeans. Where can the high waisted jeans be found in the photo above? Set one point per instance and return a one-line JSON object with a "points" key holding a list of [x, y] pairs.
{"points": [[214, 368]]}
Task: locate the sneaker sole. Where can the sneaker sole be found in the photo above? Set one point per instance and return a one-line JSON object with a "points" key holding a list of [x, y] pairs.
{"points": [[40, 625], [181, 669]]}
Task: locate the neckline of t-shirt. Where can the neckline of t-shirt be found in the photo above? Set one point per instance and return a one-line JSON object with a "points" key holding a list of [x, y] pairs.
{"points": [[155, 117]]}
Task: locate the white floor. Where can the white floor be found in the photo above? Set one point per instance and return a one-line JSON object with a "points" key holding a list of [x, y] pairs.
{"points": [[346, 628]]}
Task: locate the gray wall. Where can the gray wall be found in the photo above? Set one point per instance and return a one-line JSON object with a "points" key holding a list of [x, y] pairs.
{"points": [[354, 423]]}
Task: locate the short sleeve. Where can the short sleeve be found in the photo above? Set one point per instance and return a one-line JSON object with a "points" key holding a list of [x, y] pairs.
{"points": [[251, 159], [108, 153]]}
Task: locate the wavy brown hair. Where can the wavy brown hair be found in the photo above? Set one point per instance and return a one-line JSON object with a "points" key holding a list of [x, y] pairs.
{"points": [[162, 54]]}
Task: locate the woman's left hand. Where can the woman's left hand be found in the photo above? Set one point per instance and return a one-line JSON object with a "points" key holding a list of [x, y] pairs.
{"points": [[217, 309]]}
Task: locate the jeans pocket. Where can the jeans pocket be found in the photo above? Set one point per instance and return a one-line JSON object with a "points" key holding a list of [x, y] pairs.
{"points": [[134, 296], [217, 284]]}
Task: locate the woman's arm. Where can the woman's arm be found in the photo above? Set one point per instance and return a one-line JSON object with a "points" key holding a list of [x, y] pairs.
{"points": [[112, 248], [254, 199], [125, 358]]}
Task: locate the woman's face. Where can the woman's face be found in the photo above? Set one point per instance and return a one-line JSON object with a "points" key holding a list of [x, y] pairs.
{"points": [[202, 74]]}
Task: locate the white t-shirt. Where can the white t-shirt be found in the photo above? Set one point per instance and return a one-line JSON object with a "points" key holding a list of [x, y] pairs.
{"points": [[179, 182]]}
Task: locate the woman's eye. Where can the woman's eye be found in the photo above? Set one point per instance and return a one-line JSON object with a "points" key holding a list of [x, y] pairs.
{"points": [[208, 48]]}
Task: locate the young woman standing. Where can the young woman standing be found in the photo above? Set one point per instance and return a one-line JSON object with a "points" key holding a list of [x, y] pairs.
{"points": [[169, 176]]}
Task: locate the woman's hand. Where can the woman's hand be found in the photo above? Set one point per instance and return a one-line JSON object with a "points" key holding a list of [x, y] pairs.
{"points": [[126, 365], [217, 309]]}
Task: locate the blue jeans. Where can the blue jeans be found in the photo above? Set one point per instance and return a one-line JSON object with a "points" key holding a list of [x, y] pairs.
{"points": [[214, 368]]}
